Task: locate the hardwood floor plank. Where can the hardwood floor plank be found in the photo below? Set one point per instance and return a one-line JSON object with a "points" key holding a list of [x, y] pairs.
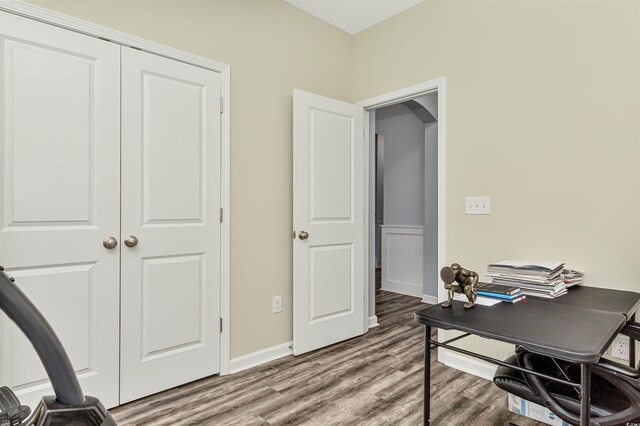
{"points": [[374, 379], [330, 415]]}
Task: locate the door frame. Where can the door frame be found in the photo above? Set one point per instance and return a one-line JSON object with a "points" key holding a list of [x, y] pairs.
{"points": [[370, 105], [53, 18]]}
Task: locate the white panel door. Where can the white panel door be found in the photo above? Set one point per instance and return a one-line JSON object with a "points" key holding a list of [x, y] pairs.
{"points": [[60, 197], [328, 191], [171, 201]]}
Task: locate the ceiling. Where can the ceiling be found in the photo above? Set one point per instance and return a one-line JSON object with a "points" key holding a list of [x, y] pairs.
{"points": [[353, 16]]}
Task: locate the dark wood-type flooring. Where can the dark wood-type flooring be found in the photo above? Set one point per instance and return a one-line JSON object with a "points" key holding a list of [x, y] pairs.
{"points": [[373, 379]]}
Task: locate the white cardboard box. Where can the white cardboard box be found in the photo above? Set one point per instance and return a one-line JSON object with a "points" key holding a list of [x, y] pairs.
{"points": [[537, 412]]}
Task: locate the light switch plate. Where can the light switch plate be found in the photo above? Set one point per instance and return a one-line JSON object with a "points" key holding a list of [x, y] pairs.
{"points": [[477, 205]]}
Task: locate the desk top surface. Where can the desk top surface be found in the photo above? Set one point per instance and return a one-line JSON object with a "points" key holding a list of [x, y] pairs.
{"points": [[604, 299], [578, 333]]}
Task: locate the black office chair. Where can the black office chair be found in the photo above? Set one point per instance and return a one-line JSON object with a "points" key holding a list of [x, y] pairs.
{"points": [[615, 388]]}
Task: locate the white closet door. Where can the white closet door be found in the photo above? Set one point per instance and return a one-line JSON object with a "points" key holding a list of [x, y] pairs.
{"points": [[170, 203], [59, 194]]}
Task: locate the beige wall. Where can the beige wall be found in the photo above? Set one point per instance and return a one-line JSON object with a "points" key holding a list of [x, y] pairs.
{"points": [[272, 48], [543, 115], [543, 110]]}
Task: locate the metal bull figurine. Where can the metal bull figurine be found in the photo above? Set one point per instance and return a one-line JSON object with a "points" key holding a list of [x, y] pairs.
{"points": [[459, 280]]}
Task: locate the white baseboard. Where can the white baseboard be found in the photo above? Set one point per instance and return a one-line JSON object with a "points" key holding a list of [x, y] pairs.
{"points": [[469, 365], [408, 289], [432, 300], [373, 321], [262, 356]]}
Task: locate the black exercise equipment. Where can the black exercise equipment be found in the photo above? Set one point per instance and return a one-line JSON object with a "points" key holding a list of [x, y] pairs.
{"points": [[69, 406], [615, 388]]}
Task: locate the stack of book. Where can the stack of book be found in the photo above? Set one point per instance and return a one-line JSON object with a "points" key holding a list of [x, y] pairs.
{"points": [[571, 277], [542, 278], [500, 292]]}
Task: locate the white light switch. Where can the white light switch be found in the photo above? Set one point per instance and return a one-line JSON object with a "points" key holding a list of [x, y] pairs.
{"points": [[477, 205]]}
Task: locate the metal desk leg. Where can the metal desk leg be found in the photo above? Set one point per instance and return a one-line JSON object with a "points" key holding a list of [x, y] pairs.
{"points": [[632, 347], [427, 376], [585, 394]]}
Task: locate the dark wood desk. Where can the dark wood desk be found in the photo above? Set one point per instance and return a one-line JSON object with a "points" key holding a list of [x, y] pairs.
{"points": [[577, 327]]}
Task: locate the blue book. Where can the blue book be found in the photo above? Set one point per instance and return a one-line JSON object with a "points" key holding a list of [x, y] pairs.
{"points": [[500, 296]]}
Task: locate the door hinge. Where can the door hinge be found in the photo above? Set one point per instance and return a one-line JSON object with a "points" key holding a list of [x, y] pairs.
{"points": [[220, 325], [221, 105], [221, 214]]}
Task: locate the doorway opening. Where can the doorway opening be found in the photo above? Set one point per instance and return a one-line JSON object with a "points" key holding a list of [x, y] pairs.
{"points": [[406, 196], [405, 135]]}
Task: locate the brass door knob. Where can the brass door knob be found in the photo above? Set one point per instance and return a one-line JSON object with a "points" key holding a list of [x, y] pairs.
{"points": [[110, 242], [131, 241], [303, 235]]}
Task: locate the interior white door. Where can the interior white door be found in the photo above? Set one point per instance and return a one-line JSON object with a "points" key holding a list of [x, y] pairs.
{"points": [[60, 197], [171, 200], [328, 192]]}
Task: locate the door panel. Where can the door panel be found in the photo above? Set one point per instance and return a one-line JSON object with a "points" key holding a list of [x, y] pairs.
{"points": [[175, 123], [331, 171], [62, 136], [331, 282], [171, 200], [75, 285], [328, 192], [59, 187], [164, 335]]}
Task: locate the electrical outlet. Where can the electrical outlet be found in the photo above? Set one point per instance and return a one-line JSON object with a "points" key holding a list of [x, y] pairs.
{"points": [[620, 348], [477, 205], [277, 304]]}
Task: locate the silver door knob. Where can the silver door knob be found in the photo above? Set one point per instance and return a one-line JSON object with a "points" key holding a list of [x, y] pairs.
{"points": [[303, 235], [110, 242], [131, 241]]}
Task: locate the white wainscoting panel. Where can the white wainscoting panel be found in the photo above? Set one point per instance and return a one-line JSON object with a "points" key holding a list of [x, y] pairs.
{"points": [[402, 259]]}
